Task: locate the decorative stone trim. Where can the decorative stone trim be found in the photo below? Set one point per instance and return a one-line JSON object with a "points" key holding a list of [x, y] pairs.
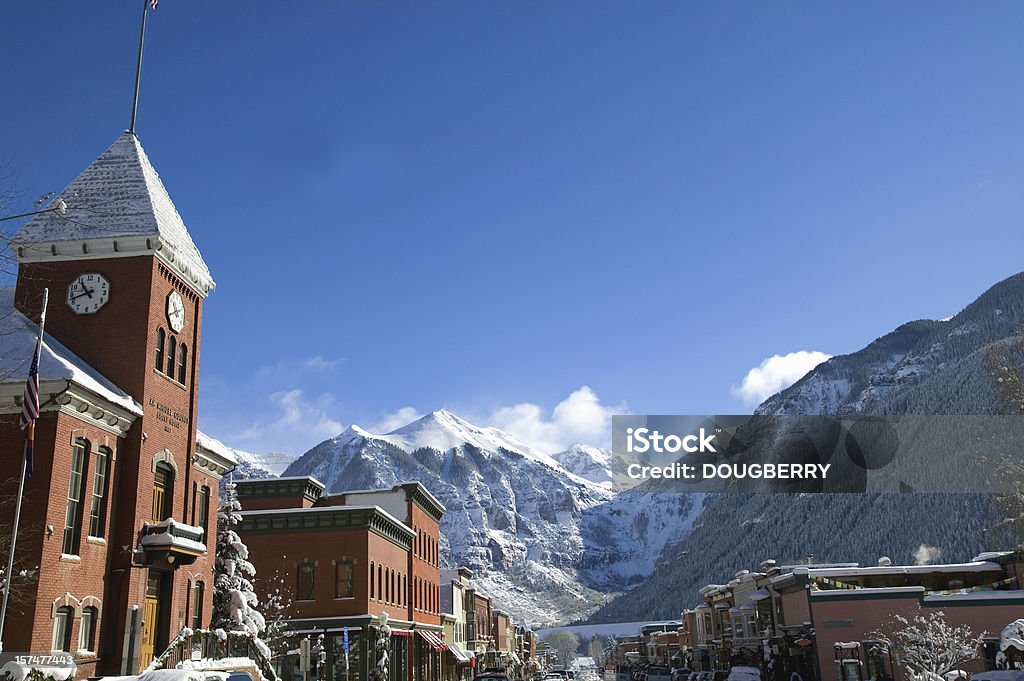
{"points": [[165, 456]]}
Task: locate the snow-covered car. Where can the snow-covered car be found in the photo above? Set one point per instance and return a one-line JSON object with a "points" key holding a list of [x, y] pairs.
{"points": [[744, 674], [173, 675]]}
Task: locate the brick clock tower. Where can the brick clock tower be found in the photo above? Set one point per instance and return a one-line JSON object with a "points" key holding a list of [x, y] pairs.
{"points": [[128, 495]]}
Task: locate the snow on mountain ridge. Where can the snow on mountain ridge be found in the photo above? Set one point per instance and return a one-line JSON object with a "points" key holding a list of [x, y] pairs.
{"points": [[544, 540]]}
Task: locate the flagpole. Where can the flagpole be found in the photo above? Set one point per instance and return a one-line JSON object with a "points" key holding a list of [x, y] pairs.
{"points": [[138, 67], [8, 576]]}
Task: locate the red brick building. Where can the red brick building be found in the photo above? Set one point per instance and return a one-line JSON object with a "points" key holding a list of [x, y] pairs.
{"points": [[347, 558], [117, 512]]}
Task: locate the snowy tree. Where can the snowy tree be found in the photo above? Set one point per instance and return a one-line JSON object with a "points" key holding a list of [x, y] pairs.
{"points": [[234, 600], [276, 607], [1011, 646], [566, 643], [928, 645]]}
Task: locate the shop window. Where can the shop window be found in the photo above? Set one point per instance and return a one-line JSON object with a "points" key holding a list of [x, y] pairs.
{"points": [[305, 585], [343, 571]]}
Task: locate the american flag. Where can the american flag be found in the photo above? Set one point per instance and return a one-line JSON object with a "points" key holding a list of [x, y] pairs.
{"points": [[30, 408], [153, 3]]}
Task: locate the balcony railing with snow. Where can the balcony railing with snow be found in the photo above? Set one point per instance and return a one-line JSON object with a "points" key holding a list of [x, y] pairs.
{"points": [[172, 542], [215, 649]]}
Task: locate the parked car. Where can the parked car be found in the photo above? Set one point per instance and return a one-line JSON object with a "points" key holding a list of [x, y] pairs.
{"points": [[681, 674], [658, 673], [744, 674], [492, 676], [1000, 675]]}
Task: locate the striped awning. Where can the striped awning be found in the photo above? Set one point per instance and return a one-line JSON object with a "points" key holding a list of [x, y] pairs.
{"points": [[433, 639], [458, 653]]}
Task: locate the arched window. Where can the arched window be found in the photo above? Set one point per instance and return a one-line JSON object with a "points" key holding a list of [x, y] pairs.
{"points": [[76, 489], [380, 583], [160, 337], [172, 347], [87, 629], [373, 589], [163, 491], [182, 361], [100, 486], [62, 628], [394, 591]]}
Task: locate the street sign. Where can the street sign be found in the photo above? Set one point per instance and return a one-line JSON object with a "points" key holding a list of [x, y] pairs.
{"points": [[344, 638]]}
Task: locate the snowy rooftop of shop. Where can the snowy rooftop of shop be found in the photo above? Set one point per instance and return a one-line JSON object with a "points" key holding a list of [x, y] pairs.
{"points": [[974, 566]]}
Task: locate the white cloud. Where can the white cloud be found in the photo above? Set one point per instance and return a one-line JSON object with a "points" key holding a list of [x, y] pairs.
{"points": [[314, 364], [926, 555], [395, 419], [775, 373], [299, 423], [578, 418]]}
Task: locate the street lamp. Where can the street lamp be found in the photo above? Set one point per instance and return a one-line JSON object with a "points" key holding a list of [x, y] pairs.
{"points": [[382, 646]]}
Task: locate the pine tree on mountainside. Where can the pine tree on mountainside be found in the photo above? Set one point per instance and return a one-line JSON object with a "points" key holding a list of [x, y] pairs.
{"points": [[234, 600]]}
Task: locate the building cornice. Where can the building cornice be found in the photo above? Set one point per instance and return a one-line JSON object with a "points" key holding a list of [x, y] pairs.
{"points": [[210, 461], [67, 397], [332, 518], [98, 248]]}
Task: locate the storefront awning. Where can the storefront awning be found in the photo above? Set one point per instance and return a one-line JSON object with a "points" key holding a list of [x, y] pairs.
{"points": [[458, 653], [432, 639]]}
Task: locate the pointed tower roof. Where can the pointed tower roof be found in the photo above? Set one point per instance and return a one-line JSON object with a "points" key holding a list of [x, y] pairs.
{"points": [[117, 207]]}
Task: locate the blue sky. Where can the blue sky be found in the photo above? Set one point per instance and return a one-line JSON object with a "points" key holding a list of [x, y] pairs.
{"points": [[486, 206]]}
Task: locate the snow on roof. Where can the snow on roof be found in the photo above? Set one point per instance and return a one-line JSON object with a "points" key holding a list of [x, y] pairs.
{"points": [[975, 566], [216, 446], [983, 595], [991, 555], [119, 195], [327, 509], [864, 591], [17, 344]]}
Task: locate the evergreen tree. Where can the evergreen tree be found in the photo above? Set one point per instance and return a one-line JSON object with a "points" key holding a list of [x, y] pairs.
{"points": [[234, 600]]}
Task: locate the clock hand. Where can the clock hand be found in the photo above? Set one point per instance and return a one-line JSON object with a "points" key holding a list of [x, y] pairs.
{"points": [[83, 293]]}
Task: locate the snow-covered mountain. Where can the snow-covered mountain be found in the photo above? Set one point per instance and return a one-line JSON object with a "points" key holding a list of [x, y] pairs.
{"points": [[601, 466], [545, 542], [970, 363], [923, 367]]}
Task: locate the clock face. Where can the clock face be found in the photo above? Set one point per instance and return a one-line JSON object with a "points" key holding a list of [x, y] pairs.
{"points": [[175, 312], [88, 293]]}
